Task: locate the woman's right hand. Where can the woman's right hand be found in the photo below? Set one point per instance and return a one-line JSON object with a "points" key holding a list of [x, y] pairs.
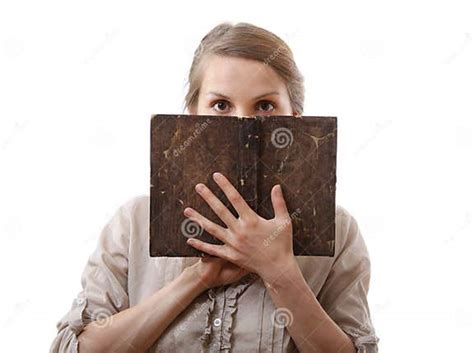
{"points": [[213, 271]]}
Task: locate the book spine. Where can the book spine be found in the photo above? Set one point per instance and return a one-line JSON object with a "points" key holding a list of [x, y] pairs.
{"points": [[247, 164]]}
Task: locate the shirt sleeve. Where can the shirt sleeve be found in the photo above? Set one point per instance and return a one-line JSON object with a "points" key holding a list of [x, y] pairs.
{"points": [[104, 283], [344, 293]]}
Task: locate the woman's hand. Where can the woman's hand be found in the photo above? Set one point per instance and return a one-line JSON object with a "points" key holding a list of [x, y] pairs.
{"points": [[250, 241], [213, 271]]}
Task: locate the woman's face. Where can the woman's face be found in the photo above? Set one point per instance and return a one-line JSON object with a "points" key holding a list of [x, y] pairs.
{"points": [[242, 87]]}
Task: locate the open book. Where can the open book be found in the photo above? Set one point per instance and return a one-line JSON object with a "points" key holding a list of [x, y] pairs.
{"points": [[254, 153]]}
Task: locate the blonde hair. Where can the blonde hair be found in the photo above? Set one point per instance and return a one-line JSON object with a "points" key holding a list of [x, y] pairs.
{"points": [[245, 40]]}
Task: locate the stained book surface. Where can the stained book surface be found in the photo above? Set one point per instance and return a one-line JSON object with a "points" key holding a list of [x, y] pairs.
{"points": [[254, 153]]}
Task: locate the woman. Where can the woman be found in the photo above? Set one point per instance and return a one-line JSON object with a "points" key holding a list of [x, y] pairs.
{"points": [[240, 299]]}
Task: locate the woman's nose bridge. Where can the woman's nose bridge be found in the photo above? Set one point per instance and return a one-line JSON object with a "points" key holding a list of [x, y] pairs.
{"points": [[243, 111]]}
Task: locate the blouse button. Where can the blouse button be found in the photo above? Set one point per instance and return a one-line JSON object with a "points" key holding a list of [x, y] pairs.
{"points": [[80, 300], [217, 322]]}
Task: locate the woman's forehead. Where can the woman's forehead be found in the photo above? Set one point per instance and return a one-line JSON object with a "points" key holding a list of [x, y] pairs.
{"points": [[232, 76]]}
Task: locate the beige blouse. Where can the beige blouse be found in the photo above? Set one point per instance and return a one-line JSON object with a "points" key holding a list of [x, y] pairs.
{"points": [[239, 317]]}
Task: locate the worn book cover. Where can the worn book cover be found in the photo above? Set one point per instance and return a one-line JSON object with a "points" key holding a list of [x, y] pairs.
{"points": [[254, 153]]}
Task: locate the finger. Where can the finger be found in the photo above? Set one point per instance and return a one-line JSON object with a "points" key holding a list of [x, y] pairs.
{"points": [[278, 202], [242, 208], [212, 228], [209, 258], [205, 257], [216, 205], [211, 249]]}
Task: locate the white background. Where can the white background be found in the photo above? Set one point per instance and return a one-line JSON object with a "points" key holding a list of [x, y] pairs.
{"points": [[79, 82]]}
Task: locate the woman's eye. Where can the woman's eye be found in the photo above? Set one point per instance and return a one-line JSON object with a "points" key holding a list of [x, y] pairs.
{"points": [[267, 106], [220, 106]]}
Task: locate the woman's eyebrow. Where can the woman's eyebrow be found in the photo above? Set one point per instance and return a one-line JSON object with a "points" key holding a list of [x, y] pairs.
{"points": [[267, 94], [260, 96]]}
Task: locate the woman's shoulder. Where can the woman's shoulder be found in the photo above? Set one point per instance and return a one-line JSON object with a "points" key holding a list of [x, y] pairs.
{"points": [[132, 218], [345, 220], [134, 211], [139, 203], [348, 233], [137, 210], [342, 214]]}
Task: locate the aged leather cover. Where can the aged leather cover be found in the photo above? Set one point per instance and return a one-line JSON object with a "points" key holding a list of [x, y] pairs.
{"points": [[254, 153]]}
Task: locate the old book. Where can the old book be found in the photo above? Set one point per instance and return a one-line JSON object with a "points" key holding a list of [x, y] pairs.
{"points": [[254, 153]]}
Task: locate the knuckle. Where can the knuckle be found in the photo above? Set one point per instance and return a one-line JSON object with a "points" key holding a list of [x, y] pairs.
{"points": [[234, 197], [233, 257], [211, 227], [219, 208], [209, 249], [251, 222], [286, 220], [238, 234]]}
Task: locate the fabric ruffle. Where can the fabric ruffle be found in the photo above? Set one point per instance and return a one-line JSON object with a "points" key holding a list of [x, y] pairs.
{"points": [[211, 293], [232, 293], [231, 306]]}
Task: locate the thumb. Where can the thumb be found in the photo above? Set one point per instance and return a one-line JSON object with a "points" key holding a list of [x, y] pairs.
{"points": [[278, 202]]}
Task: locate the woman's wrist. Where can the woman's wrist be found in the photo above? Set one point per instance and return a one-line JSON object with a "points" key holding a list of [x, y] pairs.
{"points": [[279, 275], [190, 278]]}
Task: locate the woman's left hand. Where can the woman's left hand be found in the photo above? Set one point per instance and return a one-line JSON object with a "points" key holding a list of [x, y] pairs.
{"points": [[259, 245]]}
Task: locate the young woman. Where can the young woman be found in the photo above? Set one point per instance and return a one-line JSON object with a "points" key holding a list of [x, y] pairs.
{"points": [[240, 299]]}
